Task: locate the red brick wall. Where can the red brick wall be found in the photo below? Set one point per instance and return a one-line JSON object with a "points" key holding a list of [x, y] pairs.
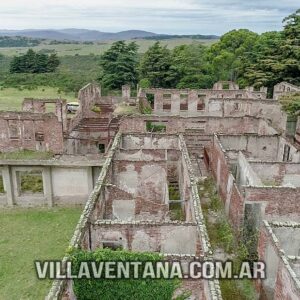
{"points": [[27, 126], [285, 287], [155, 232], [233, 195], [261, 249], [280, 201]]}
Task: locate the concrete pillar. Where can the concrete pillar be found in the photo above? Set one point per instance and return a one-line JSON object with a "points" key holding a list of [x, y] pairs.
{"points": [[8, 185], [90, 179], [192, 101], [126, 92], [175, 103], [158, 102], [47, 185]]}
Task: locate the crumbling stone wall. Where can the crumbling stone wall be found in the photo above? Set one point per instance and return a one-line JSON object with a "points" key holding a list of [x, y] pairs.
{"points": [[277, 173], [93, 126], [281, 279], [277, 203], [284, 88], [92, 230], [199, 125], [30, 131], [164, 237], [245, 187], [40, 106], [226, 184], [263, 147], [195, 102]]}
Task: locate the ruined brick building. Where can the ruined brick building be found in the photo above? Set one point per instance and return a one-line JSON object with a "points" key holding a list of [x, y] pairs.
{"points": [[123, 165]]}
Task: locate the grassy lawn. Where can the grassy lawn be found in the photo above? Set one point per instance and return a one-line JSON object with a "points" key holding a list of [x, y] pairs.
{"points": [[27, 235], [12, 98], [82, 49]]}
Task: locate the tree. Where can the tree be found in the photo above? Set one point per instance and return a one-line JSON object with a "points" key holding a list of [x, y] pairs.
{"points": [[263, 66], [119, 65], [291, 104], [33, 62], [155, 66], [227, 55], [190, 68], [276, 55], [53, 62], [291, 48]]}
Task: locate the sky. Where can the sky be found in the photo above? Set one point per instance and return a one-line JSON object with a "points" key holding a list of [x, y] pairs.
{"points": [[159, 16]]}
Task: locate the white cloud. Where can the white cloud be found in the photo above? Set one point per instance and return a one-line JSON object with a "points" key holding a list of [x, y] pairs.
{"points": [[164, 16]]}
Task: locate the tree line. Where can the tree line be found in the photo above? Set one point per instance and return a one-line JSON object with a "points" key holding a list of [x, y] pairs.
{"points": [[18, 41], [240, 55]]}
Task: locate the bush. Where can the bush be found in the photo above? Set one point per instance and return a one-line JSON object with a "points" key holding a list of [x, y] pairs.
{"points": [[120, 289]]}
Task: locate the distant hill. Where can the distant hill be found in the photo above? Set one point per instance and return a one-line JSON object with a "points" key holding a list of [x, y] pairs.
{"points": [[77, 34], [82, 35], [176, 36]]}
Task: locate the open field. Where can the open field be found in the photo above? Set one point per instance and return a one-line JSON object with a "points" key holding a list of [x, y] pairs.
{"points": [[82, 49], [28, 235], [12, 98]]}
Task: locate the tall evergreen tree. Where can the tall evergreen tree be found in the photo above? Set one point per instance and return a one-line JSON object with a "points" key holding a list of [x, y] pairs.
{"points": [[190, 67], [155, 66], [291, 48], [119, 65]]}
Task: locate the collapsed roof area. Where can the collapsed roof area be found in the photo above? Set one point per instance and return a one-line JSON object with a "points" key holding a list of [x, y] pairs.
{"points": [[145, 196]]}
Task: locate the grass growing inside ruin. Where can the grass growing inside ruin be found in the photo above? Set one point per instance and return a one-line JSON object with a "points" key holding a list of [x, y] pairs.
{"points": [[222, 236], [26, 154], [12, 98], [27, 235], [123, 109], [31, 182]]}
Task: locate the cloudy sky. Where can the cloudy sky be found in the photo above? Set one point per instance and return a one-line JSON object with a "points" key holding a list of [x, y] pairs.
{"points": [[161, 16]]}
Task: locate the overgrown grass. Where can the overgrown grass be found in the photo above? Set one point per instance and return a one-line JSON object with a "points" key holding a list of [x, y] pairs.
{"points": [[123, 109], [26, 155], [27, 235], [12, 98], [222, 236], [176, 212], [31, 182]]}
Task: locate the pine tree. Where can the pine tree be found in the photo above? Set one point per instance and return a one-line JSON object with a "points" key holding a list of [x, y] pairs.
{"points": [[119, 65], [155, 66]]}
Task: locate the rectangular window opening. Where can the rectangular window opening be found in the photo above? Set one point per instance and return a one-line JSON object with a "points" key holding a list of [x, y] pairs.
{"points": [[155, 126], [184, 102], [30, 182], [2, 190], [101, 148]]}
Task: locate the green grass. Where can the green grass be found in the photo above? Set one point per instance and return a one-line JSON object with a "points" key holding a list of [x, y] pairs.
{"points": [[12, 98], [82, 49], [125, 110], [222, 235], [26, 154], [28, 235], [31, 182]]}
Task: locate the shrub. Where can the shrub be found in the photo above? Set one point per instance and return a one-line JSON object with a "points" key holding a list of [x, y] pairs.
{"points": [[120, 289]]}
